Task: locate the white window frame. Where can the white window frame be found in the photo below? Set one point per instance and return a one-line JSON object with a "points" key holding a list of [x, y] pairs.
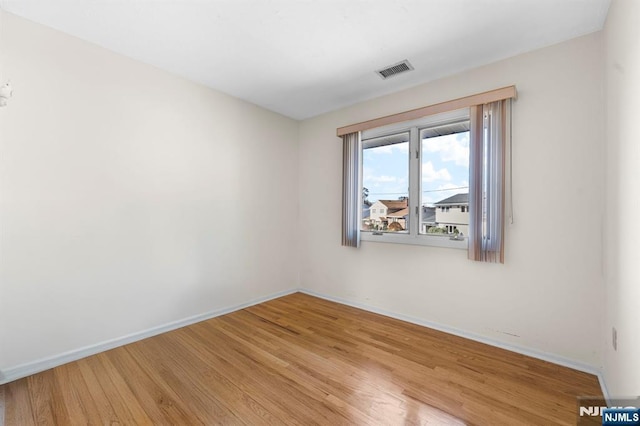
{"points": [[413, 235]]}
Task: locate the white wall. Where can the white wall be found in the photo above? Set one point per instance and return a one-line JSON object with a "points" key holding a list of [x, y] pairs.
{"points": [[622, 83], [130, 198], [549, 292]]}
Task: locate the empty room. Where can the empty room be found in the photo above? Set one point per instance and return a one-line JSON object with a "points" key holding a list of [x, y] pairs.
{"points": [[319, 212]]}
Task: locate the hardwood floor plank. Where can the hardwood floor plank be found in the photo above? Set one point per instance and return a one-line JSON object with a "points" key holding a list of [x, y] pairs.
{"points": [[203, 371], [314, 372], [159, 402], [203, 409], [224, 370], [47, 410], [300, 360], [80, 404], [337, 384], [18, 410], [305, 407], [106, 409], [117, 388]]}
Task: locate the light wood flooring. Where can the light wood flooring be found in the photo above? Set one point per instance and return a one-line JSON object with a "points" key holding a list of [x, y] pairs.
{"points": [[301, 360]]}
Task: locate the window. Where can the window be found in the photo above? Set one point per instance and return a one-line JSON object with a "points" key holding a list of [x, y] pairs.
{"points": [[487, 118], [412, 167]]}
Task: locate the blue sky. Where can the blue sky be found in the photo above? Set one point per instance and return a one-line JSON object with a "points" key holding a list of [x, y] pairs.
{"points": [[445, 167]]}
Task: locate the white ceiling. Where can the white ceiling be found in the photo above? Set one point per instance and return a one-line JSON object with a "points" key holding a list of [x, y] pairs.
{"points": [[305, 57]]}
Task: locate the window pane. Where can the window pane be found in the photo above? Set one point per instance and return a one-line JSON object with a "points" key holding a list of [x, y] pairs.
{"points": [[385, 181], [445, 180]]}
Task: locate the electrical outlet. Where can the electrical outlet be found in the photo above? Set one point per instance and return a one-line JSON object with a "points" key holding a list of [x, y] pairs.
{"points": [[614, 338]]}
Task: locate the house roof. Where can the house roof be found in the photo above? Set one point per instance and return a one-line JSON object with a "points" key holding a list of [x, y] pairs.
{"points": [[394, 205], [457, 199], [399, 213]]}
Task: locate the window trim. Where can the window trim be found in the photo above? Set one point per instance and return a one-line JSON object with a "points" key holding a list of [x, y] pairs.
{"points": [[413, 236], [508, 92]]}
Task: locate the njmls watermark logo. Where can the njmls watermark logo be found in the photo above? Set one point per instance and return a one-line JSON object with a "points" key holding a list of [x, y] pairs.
{"points": [[620, 411], [621, 416]]}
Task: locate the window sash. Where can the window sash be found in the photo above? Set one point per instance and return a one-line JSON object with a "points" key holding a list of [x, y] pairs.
{"points": [[414, 128]]}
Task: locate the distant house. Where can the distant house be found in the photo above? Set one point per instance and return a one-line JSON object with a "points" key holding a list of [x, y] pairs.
{"points": [[453, 214], [450, 214], [384, 212], [399, 217], [428, 219]]}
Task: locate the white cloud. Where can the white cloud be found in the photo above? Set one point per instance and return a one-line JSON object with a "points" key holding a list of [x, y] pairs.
{"points": [[451, 148], [382, 179], [430, 174]]}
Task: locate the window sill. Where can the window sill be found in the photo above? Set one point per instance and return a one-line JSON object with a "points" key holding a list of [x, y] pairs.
{"points": [[418, 240]]}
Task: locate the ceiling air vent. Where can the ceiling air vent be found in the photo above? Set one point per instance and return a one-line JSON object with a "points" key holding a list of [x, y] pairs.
{"points": [[394, 69]]}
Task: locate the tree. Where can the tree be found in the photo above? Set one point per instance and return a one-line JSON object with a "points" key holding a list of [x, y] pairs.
{"points": [[395, 226], [365, 196], [436, 230], [403, 198]]}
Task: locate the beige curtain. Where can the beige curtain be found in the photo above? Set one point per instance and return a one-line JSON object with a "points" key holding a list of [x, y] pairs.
{"points": [[487, 181], [351, 196]]}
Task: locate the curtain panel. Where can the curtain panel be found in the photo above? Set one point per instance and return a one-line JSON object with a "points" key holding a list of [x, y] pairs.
{"points": [[351, 196], [487, 180]]}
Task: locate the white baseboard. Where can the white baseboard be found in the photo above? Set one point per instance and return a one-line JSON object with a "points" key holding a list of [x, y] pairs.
{"points": [[605, 390], [554, 359], [27, 369]]}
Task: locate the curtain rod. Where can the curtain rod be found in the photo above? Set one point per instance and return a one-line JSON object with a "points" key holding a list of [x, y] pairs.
{"points": [[465, 102]]}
